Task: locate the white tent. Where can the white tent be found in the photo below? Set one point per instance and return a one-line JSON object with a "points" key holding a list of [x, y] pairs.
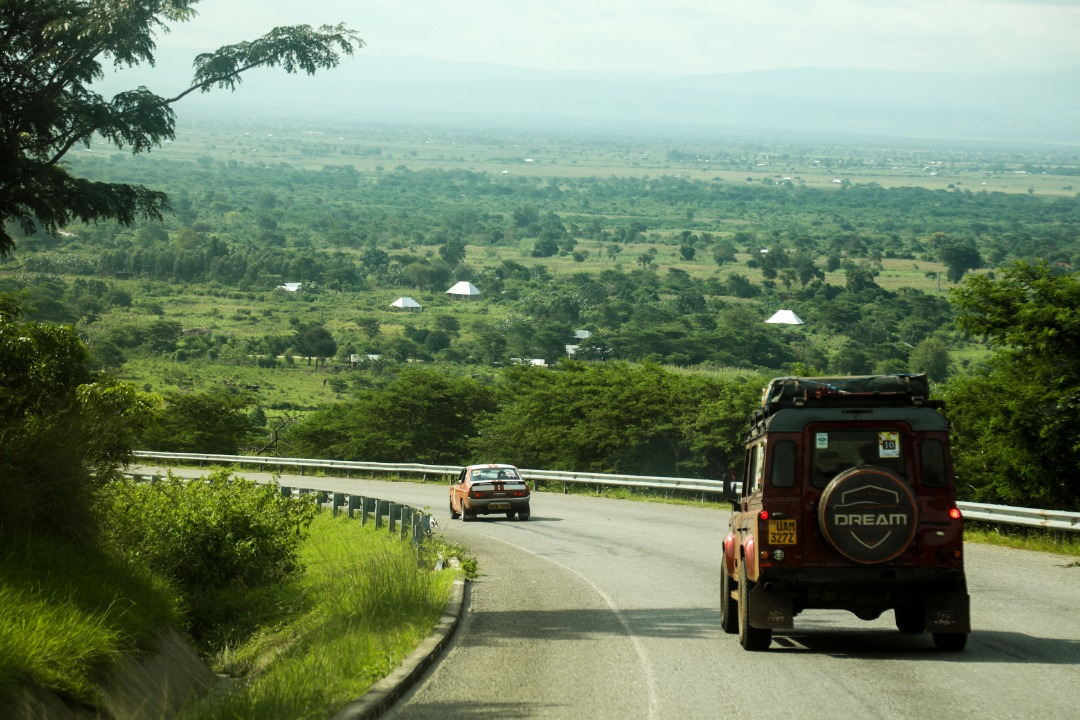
{"points": [[464, 289], [406, 303], [785, 317]]}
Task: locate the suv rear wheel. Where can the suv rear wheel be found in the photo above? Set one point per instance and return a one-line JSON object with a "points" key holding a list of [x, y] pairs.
{"points": [[729, 607], [910, 618], [751, 638], [950, 642]]}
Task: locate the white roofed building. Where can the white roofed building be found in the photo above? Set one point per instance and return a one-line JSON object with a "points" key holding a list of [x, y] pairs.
{"points": [[464, 290], [784, 317], [407, 304]]}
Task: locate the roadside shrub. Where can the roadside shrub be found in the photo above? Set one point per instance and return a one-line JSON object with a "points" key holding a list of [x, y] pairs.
{"points": [[208, 537]]}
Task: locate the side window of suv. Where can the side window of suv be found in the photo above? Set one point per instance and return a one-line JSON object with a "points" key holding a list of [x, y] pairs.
{"points": [[932, 462], [755, 468], [782, 470]]}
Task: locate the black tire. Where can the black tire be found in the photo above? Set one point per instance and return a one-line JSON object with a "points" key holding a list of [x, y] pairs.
{"points": [[729, 607], [523, 516], [751, 638], [862, 490], [950, 642], [910, 618], [454, 514]]}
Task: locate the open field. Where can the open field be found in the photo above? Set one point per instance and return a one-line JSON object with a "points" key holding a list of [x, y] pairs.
{"points": [[374, 148]]}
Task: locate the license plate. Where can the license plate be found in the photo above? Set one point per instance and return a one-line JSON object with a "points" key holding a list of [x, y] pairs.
{"points": [[498, 506], [782, 532]]}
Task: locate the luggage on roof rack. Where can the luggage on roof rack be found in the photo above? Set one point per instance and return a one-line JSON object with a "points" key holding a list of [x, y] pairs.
{"points": [[900, 389]]}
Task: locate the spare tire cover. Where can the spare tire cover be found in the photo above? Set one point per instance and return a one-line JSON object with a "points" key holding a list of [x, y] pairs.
{"points": [[868, 514]]}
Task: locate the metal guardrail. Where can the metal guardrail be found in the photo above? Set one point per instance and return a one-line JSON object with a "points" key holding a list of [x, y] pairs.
{"points": [[1002, 514], [1028, 517], [716, 487]]}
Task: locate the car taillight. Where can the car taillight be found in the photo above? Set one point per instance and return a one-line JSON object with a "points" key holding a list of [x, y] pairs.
{"points": [[478, 494], [955, 513], [763, 515]]}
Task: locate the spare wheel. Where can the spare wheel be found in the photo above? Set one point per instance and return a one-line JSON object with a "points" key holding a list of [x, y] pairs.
{"points": [[868, 514]]}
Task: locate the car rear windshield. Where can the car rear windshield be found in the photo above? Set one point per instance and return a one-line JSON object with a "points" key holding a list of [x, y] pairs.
{"points": [[837, 450], [493, 475]]}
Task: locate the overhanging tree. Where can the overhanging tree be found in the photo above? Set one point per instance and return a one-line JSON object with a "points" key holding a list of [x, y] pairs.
{"points": [[52, 52], [1016, 426]]}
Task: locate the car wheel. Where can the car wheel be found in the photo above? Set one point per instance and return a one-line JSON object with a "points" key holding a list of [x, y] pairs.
{"points": [[523, 516], [467, 515], [877, 486], [910, 618], [950, 642], [454, 514], [729, 607], [751, 638]]}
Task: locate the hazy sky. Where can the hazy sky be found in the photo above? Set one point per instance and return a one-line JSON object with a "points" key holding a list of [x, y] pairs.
{"points": [[677, 36]]}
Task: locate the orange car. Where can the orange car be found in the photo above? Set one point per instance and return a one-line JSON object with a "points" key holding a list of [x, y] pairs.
{"points": [[488, 489]]}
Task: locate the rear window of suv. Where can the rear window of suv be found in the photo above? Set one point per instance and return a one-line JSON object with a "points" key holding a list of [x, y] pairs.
{"points": [[834, 451]]}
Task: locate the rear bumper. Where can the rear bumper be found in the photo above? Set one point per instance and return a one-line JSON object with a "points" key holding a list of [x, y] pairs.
{"points": [[488, 506], [781, 595]]}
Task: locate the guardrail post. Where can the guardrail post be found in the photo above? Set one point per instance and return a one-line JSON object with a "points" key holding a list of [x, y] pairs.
{"points": [[339, 500], [379, 510], [320, 496], [392, 513], [368, 505], [285, 491], [406, 520], [354, 502]]}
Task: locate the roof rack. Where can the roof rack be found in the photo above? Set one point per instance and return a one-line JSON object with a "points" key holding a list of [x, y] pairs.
{"points": [[900, 390]]}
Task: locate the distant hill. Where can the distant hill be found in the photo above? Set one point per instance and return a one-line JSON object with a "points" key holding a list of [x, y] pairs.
{"points": [[845, 103]]}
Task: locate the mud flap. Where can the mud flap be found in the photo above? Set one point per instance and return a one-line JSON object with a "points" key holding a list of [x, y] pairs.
{"points": [[948, 612], [770, 609]]}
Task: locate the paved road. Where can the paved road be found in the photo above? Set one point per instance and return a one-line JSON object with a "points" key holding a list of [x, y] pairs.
{"points": [[609, 609]]}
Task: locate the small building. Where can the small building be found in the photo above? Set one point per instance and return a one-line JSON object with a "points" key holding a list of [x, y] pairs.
{"points": [[464, 290], [406, 304], [784, 317], [291, 287]]}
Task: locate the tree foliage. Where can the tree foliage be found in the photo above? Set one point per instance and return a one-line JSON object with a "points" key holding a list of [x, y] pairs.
{"points": [[63, 429], [218, 422], [420, 415], [1017, 424], [51, 53], [617, 418]]}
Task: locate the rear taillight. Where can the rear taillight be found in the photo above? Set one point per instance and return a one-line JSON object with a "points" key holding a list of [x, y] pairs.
{"points": [[763, 515], [479, 495], [955, 513]]}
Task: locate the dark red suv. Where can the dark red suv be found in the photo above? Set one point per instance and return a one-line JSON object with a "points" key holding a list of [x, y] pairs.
{"points": [[847, 501]]}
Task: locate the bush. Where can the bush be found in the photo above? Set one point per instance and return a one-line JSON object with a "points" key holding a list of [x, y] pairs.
{"points": [[208, 537]]}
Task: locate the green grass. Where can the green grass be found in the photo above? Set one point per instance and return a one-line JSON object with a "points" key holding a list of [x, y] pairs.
{"points": [[366, 605], [1023, 539], [67, 611]]}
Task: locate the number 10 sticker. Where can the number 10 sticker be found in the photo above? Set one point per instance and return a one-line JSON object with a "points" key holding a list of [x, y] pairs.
{"points": [[889, 445]]}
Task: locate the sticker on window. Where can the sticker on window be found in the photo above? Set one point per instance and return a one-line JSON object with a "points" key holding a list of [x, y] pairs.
{"points": [[888, 444], [822, 441]]}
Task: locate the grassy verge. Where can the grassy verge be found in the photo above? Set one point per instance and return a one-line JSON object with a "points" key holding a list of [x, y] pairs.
{"points": [[363, 604], [68, 610], [1022, 538]]}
